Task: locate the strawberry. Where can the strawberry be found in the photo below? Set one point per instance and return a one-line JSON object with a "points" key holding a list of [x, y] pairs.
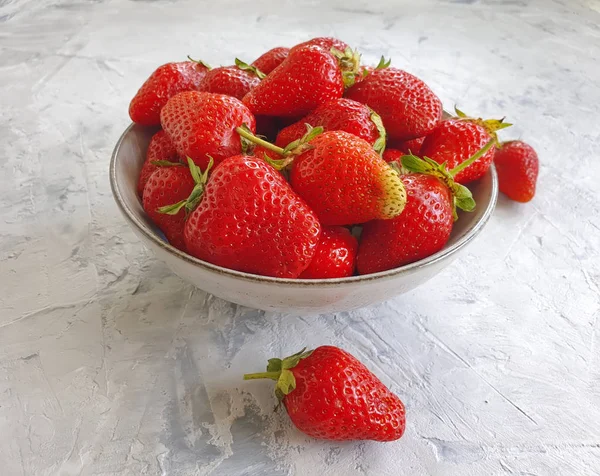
{"points": [[324, 42], [329, 394], [271, 59], [234, 81], [517, 165], [339, 115], [422, 230], [250, 220], [168, 185], [160, 149], [412, 146], [392, 155], [340, 176], [425, 225], [345, 181], [455, 140], [203, 124], [408, 108], [335, 256], [308, 77], [164, 83]]}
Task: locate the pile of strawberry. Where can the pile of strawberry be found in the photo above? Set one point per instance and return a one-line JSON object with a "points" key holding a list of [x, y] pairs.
{"points": [[276, 167]]}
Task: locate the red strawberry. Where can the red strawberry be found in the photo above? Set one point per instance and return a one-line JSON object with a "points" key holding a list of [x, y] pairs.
{"points": [[203, 124], [335, 256], [425, 225], [250, 220], [309, 76], [455, 140], [412, 146], [422, 229], [234, 81], [339, 115], [392, 155], [517, 165], [166, 186], [271, 59], [345, 181], [329, 394], [325, 42], [160, 149], [168, 80], [408, 108]]}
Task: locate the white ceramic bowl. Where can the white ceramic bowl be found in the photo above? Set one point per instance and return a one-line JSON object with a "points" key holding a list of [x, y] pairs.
{"points": [[276, 294]]}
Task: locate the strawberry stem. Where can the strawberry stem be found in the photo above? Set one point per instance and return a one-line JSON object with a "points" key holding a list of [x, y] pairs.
{"points": [[259, 375], [480, 153], [258, 141], [280, 371]]}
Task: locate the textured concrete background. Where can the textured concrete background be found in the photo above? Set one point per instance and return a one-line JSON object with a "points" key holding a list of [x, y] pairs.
{"points": [[111, 365]]}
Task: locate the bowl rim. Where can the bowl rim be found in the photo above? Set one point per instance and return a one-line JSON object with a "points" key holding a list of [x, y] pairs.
{"points": [[446, 252]]}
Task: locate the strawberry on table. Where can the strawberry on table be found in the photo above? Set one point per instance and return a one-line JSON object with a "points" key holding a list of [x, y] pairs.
{"points": [[234, 81], [170, 193], [329, 394], [425, 225], [456, 139], [407, 106], [250, 220], [517, 165], [339, 115], [204, 124], [308, 77], [335, 256], [268, 61], [168, 80], [160, 149]]}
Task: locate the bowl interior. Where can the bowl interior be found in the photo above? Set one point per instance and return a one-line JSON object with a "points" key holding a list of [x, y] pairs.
{"points": [[130, 153]]}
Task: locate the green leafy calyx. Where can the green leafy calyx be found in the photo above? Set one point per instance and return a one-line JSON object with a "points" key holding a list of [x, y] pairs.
{"points": [[200, 62], [248, 67], [383, 63], [349, 61], [463, 198], [280, 371], [380, 143], [490, 125], [190, 203], [303, 144]]}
